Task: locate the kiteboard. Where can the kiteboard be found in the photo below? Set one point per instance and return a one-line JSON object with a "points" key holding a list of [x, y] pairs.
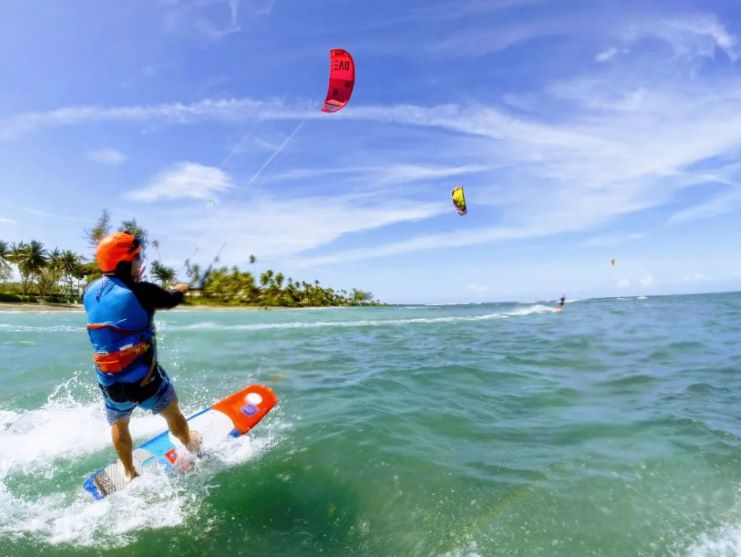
{"points": [[233, 416]]}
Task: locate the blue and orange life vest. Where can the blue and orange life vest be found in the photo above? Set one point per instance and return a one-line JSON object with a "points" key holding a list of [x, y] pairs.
{"points": [[120, 330]]}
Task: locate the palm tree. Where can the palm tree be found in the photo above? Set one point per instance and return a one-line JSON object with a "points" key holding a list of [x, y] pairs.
{"points": [[101, 228], [70, 263], [195, 275], [360, 297], [156, 246], [132, 227], [50, 273], [36, 260], [215, 286], [266, 278], [4, 260], [162, 273], [30, 260]]}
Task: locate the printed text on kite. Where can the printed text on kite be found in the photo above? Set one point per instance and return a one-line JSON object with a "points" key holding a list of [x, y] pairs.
{"points": [[341, 80], [459, 200]]}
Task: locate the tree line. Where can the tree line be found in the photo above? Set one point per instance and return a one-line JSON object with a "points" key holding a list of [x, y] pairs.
{"points": [[59, 276]]}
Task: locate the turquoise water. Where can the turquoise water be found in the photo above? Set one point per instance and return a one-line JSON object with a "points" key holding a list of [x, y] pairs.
{"points": [[613, 428]]}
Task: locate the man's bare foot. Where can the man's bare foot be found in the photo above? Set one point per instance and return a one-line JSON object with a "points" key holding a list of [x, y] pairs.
{"points": [[195, 442], [130, 475]]}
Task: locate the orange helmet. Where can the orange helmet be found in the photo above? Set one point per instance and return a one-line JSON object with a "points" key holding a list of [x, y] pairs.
{"points": [[115, 248]]}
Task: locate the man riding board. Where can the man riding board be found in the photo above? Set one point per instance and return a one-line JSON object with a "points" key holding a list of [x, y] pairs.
{"points": [[120, 311]]}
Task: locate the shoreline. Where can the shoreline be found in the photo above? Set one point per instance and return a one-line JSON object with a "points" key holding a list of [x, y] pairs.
{"points": [[14, 307], [18, 307]]}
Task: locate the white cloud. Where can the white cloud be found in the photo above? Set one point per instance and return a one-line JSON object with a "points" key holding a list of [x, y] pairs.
{"points": [[261, 143], [521, 101], [477, 288], [46, 214], [106, 156], [695, 277], [213, 110], [262, 8], [613, 240], [214, 19], [387, 174], [185, 180], [275, 153], [646, 278], [4, 221], [621, 145], [693, 35], [606, 55], [614, 164], [432, 241], [286, 226], [487, 41], [726, 202]]}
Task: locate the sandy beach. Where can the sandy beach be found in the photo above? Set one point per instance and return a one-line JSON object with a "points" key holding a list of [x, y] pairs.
{"points": [[13, 307], [8, 307]]}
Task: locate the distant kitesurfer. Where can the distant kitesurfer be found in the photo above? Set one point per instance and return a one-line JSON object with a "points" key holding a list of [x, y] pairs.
{"points": [[120, 310], [562, 301]]}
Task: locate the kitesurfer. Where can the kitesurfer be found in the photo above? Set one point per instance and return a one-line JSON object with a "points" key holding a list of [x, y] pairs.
{"points": [[562, 301], [120, 310]]}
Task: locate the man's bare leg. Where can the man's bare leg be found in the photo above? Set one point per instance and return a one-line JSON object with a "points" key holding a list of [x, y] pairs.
{"points": [[123, 445], [179, 427]]}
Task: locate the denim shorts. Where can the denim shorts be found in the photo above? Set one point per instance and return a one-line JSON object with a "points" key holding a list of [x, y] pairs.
{"points": [[165, 395]]}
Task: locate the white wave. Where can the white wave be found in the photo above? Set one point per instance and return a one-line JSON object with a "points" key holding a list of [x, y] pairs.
{"points": [[203, 325], [519, 312], [38, 441], [325, 324], [37, 311], [725, 542], [36, 329], [530, 310], [469, 550], [34, 441], [150, 502], [211, 325], [154, 500]]}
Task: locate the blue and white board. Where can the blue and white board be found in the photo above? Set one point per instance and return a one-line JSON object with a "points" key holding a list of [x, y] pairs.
{"points": [[233, 416]]}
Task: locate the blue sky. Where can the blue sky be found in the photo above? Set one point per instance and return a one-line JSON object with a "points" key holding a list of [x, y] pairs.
{"points": [[581, 131]]}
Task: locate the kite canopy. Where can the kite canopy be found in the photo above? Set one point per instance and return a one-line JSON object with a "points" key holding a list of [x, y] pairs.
{"points": [[613, 262], [459, 200], [341, 80]]}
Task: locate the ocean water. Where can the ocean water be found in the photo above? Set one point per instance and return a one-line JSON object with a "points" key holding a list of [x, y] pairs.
{"points": [[611, 429]]}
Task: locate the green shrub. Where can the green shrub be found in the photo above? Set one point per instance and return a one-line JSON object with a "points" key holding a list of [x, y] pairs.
{"points": [[16, 298]]}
